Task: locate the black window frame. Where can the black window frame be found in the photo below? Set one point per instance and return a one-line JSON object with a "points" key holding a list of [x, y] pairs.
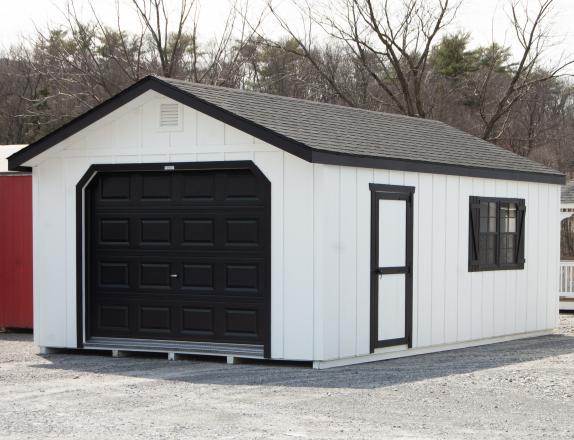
{"points": [[474, 263]]}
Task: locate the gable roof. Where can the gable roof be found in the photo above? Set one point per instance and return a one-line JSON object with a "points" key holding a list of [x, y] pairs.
{"points": [[5, 152], [326, 133]]}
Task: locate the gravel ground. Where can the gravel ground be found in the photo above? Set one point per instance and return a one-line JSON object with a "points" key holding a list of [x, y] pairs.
{"points": [[514, 390]]}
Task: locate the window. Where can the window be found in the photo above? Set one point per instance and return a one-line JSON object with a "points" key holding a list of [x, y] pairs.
{"points": [[496, 234]]}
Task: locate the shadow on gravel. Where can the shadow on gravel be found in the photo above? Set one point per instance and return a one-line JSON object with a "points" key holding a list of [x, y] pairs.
{"points": [[366, 376]]}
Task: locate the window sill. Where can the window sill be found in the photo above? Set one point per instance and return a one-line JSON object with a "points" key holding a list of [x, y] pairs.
{"points": [[495, 268]]}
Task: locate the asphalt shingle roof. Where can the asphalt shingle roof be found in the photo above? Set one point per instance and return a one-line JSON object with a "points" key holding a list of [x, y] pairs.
{"points": [[339, 129]]}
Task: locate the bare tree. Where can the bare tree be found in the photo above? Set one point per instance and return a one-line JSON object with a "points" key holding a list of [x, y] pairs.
{"points": [[533, 34], [169, 44], [391, 43]]}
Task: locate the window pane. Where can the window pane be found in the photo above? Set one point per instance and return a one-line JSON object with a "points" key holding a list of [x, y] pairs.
{"points": [[507, 247], [487, 248], [483, 246], [492, 209], [511, 239], [491, 249], [512, 218], [512, 224], [503, 217], [484, 209], [512, 210], [492, 224], [503, 223], [503, 242]]}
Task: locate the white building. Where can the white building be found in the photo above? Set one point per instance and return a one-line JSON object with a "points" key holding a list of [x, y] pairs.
{"points": [[185, 218], [567, 255]]}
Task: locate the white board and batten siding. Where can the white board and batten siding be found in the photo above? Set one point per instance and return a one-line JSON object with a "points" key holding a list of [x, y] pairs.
{"points": [[450, 304], [320, 250], [131, 135]]}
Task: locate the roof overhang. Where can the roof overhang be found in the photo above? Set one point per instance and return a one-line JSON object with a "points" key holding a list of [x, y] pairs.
{"points": [[17, 161]]}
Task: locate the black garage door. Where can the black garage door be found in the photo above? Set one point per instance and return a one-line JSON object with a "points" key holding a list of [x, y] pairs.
{"points": [[179, 256]]}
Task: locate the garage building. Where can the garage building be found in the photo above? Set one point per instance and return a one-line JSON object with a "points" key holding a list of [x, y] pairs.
{"points": [[15, 244], [187, 218]]}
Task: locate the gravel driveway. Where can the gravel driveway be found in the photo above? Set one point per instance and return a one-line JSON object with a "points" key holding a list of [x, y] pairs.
{"points": [[514, 390]]}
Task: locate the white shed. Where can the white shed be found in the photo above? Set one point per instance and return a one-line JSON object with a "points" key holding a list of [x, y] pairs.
{"points": [[185, 218], [566, 292]]}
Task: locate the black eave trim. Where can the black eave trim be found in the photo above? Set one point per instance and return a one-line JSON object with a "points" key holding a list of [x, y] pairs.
{"points": [[331, 158], [265, 134], [166, 89]]}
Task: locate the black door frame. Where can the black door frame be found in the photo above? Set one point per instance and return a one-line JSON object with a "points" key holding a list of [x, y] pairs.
{"points": [[391, 192], [83, 228]]}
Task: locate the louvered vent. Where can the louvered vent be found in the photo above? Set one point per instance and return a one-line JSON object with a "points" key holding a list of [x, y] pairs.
{"points": [[169, 115]]}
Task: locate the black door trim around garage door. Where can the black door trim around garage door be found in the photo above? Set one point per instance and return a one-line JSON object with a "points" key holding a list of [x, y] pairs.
{"points": [[83, 227]]}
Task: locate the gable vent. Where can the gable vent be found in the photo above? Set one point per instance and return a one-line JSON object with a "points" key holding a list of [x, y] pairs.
{"points": [[169, 115]]}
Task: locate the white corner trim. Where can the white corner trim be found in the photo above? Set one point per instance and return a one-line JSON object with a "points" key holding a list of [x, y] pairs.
{"points": [[393, 354]]}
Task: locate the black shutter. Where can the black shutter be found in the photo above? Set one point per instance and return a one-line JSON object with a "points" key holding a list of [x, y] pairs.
{"points": [[520, 229], [473, 234]]}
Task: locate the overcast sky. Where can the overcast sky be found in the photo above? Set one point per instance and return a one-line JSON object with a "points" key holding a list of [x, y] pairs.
{"points": [[484, 19]]}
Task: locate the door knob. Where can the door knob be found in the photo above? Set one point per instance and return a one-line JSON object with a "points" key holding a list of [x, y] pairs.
{"points": [[174, 275]]}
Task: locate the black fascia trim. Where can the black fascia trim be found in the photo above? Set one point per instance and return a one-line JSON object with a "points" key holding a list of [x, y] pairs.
{"points": [[75, 125], [187, 98], [20, 169], [289, 145], [330, 158]]}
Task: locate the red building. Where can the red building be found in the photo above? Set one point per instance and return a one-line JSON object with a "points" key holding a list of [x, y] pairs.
{"points": [[15, 245]]}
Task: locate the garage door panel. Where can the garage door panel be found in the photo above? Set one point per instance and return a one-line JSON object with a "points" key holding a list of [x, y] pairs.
{"points": [[244, 278], [155, 231], [114, 231], [238, 229], [199, 232], [180, 256], [115, 187], [199, 321], [199, 187], [156, 187], [199, 277], [188, 275], [154, 319], [241, 185], [242, 232], [241, 322], [113, 275], [113, 317], [155, 275]]}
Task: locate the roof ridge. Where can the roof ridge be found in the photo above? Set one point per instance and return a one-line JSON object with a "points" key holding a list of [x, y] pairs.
{"points": [[307, 101]]}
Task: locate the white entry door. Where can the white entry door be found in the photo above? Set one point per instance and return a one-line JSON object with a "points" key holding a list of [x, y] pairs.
{"points": [[391, 259]]}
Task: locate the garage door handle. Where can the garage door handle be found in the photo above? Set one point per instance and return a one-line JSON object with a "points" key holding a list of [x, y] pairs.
{"points": [[174, 275]]}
